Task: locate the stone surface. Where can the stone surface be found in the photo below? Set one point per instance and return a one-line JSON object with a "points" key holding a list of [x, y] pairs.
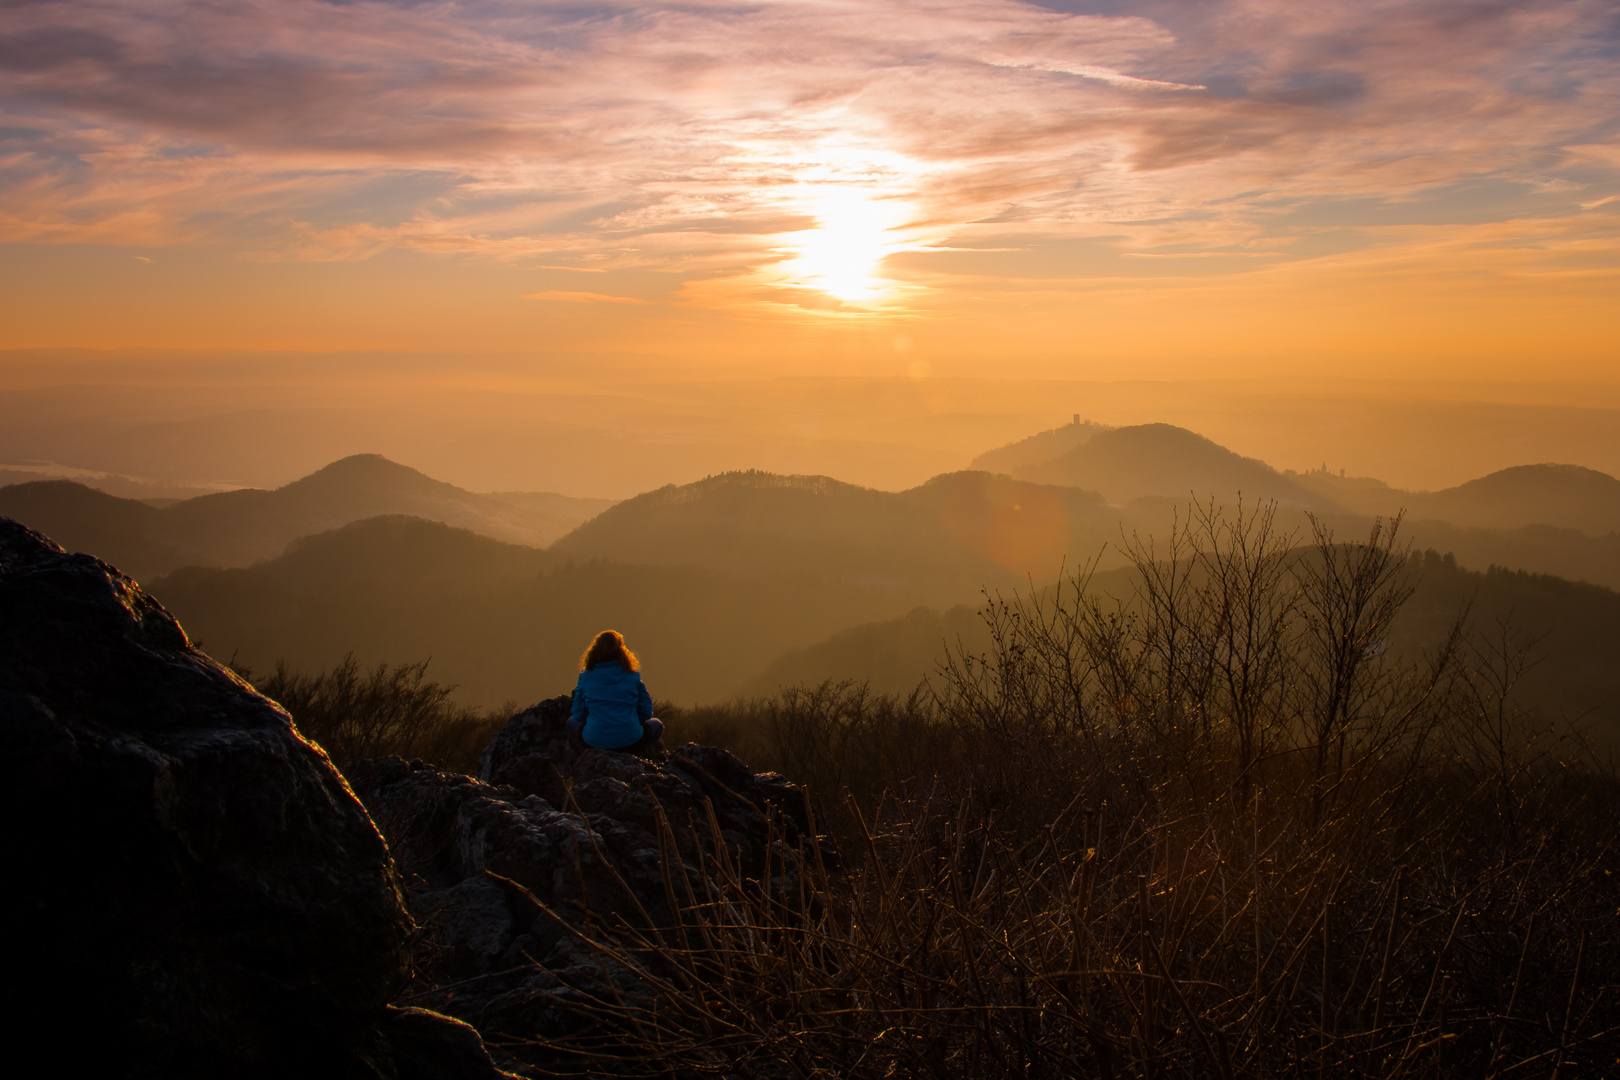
{"points": [[532, 754], [506, 870], [195, 891], [192, 888]]}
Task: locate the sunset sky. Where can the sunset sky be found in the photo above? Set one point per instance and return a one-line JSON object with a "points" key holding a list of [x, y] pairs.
{"points": [[1093, 190]]}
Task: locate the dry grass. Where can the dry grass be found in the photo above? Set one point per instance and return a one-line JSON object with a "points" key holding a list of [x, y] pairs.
{"points": [[1216, 828], [1220, 827], [1107, 943]]}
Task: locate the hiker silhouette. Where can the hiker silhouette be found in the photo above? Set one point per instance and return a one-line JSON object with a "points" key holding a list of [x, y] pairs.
{"points": [[612, 709]]}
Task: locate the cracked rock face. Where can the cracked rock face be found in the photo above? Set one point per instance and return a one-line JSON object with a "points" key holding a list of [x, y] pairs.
{"points": [[505, 869], [193, 889]]}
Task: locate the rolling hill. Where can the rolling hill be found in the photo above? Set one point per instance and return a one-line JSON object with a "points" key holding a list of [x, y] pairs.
{"points": [[238, 528], [1560, 496], [507, 622], [734, 582], [937, 543], [125, 532], [1037, 449], [1548, 519], [503, 622], [1150, 460], [891, 656]]}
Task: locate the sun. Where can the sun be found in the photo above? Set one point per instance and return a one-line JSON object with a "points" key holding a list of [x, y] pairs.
{"points": [[853, 234]]}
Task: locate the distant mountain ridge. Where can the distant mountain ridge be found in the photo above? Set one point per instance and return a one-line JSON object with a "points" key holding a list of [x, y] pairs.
{"points": [[1162, 460], [1562, 496], [1038, 448], [936, 543], [503, 621], [238, 528], [731, 579]]}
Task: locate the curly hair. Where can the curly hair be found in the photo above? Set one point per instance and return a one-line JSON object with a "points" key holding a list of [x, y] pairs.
{"points": [[609, 646]]}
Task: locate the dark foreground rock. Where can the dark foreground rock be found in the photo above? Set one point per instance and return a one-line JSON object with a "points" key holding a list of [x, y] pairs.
{"points": [[192, 889], [510, 872]]}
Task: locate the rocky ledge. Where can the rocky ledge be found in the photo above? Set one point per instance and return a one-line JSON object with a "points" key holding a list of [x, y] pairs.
{"points": [[197, 891], [509, 873]]}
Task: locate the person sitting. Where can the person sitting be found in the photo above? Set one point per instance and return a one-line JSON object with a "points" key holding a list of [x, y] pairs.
{"points": [[612, 709]]}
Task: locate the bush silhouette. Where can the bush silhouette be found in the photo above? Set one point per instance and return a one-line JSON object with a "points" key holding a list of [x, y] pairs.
{"points": [[355, 714]]}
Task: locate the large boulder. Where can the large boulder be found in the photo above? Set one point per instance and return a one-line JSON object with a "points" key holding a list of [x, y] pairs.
{"points": [[192, 888]]}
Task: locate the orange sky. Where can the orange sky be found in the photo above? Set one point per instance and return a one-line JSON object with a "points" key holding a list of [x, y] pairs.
{"points": [[1419, 189]]}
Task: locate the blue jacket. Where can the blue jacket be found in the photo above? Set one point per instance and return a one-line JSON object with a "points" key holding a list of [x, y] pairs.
{"points": [[613, 702]]}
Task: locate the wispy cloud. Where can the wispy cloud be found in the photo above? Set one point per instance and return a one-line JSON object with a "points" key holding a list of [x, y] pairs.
{"points": [[711, 138], [582, 297]]}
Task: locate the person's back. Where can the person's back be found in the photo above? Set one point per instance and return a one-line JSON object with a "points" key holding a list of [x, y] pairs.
{"points": [[612, 709]]}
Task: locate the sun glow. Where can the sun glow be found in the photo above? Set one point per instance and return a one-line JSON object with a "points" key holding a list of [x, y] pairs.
{"points": [[854, 232]]}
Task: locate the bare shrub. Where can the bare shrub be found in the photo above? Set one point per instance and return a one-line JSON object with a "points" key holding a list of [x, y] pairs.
{"points": [[355, 714], [1216, 827]]}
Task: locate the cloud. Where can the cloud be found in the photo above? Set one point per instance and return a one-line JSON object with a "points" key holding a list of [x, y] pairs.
{"points": [[582, 297], [704, 138]]}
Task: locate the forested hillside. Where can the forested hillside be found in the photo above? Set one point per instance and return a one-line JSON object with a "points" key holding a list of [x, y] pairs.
{"points": [[936, 543], [1163, 460], [746, 581], [502, 621], [1552, 496]]}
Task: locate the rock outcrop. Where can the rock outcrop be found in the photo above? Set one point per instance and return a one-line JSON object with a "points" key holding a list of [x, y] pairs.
{"points": [[505, 871], [193, 889]]}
